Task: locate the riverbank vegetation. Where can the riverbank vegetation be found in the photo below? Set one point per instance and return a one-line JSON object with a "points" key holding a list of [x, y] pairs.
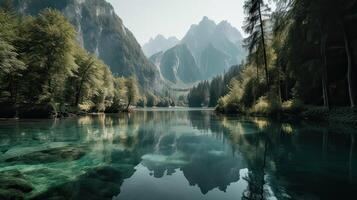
{"points": [[302, 61], [45, 73]]}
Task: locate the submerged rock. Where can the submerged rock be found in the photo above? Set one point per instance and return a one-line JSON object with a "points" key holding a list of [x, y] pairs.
{"points": [[13, 185], [98, 183], [61, 154]]}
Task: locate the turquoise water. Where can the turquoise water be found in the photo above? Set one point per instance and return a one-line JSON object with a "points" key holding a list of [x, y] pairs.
{"points": [[175, 155]]}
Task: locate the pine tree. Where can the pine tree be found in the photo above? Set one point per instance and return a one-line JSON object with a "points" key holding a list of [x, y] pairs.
{"points": [[256, 11]]}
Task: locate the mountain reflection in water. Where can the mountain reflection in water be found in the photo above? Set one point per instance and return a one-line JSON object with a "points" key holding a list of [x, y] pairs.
{"points": [[175, 154]]}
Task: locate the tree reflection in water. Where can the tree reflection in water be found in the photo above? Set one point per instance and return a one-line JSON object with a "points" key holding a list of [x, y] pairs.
{"points": [[249, 158]]}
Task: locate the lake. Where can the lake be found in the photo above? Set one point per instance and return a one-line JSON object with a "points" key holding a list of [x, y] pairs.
{"points": [[178, 154]]}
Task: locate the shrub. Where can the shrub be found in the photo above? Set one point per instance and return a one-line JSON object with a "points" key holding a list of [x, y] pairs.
{"points": [[164, 102], [261, 106], [294, 106], [266, 106], [141, 102], [151, 100]]}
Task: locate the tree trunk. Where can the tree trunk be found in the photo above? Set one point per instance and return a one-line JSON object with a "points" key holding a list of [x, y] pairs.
{"points": [[127, 107], [351, 89], [279, 83], [324, 71], [255, 95], [80, 87], [79, 92], [264, 50], [286, 84], [76, 103]]}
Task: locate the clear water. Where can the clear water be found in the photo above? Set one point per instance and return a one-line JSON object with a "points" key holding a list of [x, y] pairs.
{"points": [[175, 155]]}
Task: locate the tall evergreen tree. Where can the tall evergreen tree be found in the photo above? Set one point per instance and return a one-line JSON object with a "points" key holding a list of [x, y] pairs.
{"points": [[256, 12]]}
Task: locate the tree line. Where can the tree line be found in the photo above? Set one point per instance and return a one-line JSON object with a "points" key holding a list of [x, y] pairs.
{"points": [[304, 52], [207, 93], [45, 72]]}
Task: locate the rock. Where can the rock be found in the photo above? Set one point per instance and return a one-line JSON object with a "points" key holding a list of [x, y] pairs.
{"points": [[11, 194], [61, 154], [98, 183], [13, 185]]}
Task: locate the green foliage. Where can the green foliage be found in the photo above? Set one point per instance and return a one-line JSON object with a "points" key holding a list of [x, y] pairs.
{"points": [[11, 67], [199, 95], [255, 22], [306, 54], [217, 88], [132, 91], [47, 43], [151, 100], [294, 106], [164, 102], [141, 102], [43, 70]]}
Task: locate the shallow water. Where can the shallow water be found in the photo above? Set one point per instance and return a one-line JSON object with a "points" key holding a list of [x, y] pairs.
{"points": [[175, 155]]}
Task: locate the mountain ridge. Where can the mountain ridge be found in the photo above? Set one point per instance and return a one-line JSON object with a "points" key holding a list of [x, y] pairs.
{"points": [[214, 47], [102, 32], [159, 43]]}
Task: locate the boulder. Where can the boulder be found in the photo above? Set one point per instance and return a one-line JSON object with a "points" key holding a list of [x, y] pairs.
{"points": [[13, 185]]}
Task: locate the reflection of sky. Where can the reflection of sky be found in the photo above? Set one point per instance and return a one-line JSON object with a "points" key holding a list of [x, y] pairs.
{"points": [[174, 187], [190, 157]]}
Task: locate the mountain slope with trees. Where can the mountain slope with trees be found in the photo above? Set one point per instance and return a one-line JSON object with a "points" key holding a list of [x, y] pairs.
{"points": [[301, 61], [101, 32], [46, 73]]}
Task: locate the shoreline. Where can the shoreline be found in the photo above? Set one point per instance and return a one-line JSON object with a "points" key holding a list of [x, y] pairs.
{"points": [[340, 115]]}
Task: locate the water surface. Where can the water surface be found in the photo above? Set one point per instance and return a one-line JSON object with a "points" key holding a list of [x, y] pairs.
{"points": [[177, 155]]}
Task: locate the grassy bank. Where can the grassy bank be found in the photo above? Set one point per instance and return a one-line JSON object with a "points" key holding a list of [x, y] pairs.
{"points": [[293, 109]]}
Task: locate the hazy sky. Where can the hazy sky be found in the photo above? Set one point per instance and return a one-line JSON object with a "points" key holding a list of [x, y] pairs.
{"points": [[148, 18]]}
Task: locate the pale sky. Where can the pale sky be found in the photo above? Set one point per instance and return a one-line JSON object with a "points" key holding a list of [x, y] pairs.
{"points": [[148, 18]]}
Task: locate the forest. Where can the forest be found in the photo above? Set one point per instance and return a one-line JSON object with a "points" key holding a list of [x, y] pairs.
{"points": [[302, 58], [45, 73], [269, 114]]}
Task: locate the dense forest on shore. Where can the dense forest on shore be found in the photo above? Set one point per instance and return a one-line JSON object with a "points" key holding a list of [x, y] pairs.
{"points": [[45, 73], [303, 53], [302, 58]]}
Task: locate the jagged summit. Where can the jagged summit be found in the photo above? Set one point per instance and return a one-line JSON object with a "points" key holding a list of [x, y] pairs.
{"points": [[159, 43], [214, 48]]}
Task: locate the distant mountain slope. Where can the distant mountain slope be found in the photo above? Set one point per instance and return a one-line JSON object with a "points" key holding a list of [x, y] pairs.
{"points": [[211, 57], [178, 65], [102, 32], [214, 47], [208, 36], [199, 36], [159, 43]]}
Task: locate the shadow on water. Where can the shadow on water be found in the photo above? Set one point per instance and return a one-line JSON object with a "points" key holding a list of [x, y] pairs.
{"points": [[175, 155]]}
